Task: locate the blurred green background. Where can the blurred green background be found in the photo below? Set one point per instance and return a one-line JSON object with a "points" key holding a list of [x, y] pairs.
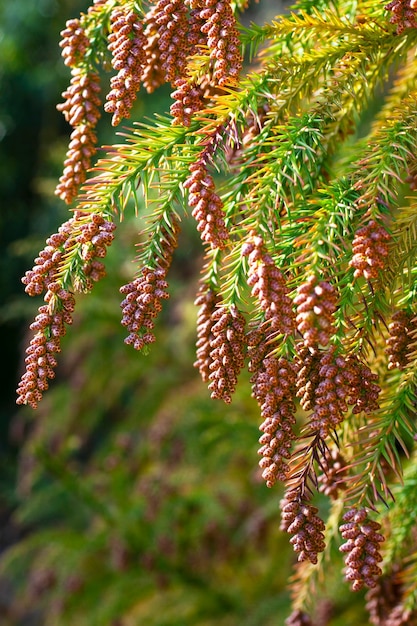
{"points": [[128, 497]]}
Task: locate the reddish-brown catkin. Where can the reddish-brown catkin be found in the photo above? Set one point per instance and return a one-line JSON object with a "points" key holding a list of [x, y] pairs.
{"points": [[316, 303], [81, 110], [207, 299], [142, 303], [153, 75], [361, 549], [383, 598], [49, 327], [92, 234], [332, 393], [273, 386], [143, 295], [403, 14], [126, 43], [207, 205], [222, 40], [301, 520], [171, 21], [369, 250], [401, 334], [331, 480], [188, 98], [227, 353], [364, 392], [74, 43], [269, 286]]}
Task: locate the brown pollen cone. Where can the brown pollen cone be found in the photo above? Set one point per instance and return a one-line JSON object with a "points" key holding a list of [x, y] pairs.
{"points": [[81, 110], [300, 520], [369, 250], [143, 295], [49, 327], [74, 42], [316, 303], [141, 305], [361, 549], [222, 40], [227, 351], [331, 480], [401, 334], [273, 386], [126, 43], [403, 14], [207, 300], [269, 286], [207, 205], [188, 98]]}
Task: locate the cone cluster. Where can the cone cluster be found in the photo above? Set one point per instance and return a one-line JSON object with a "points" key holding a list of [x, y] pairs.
{"points": [[49, 327]]}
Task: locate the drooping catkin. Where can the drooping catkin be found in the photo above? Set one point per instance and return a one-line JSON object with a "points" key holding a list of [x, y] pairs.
{"points": [[227, 352], [126, 43], [207, 205], [188, 98], [383, 598], [49, 326], [332, 393], [369, 250], [362, 548], [316, 302], [269, 286], [141, 304], [207, 301], [81, 111], [273, 386], [401, 334], [74, 42], [143, 295], [333, 471], [301, 520], [222, 40], [91, 233], [153, 75]]}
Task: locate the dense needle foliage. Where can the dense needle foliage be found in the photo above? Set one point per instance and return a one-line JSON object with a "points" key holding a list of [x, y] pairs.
{"points": [[292, 147]]}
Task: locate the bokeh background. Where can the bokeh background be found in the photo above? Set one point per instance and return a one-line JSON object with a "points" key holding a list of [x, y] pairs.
{"points": [[129, 497]]}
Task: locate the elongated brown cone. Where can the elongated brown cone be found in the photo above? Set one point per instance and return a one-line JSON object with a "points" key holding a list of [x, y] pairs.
{"points": [[316, 303], [227, 351], [361, 549], [369, 250], [126, 42], [300, 520]]}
